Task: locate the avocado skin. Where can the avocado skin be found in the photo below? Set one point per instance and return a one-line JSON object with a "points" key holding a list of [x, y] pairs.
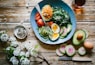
{"points": [[75, 40]]}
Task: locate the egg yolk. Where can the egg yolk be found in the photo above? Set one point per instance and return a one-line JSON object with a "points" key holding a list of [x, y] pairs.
{"points": [[55, 27], [55, 35]]}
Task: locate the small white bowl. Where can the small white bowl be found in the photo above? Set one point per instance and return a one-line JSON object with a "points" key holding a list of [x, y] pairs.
{"points": [[20, 32]]}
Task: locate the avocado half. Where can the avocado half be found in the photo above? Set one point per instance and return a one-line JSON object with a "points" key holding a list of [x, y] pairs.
{"points": [[75, 40]]}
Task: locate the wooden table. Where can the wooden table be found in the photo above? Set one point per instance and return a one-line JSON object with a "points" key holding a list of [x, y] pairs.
{"points": [[14, 11]]}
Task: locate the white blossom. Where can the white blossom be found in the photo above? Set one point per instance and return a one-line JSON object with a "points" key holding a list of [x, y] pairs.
{"points": [[4, 37], [8, 48], [22, 53], [16, 52], [27, 46], [25, 61], [33, 52], [3, 31], [14, 44], [12, 39], [21, 59], [14, 60], [27, 54]]}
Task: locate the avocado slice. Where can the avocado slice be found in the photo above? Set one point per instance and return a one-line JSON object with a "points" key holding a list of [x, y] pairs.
{"points": [[64, 31], [69, 28], [79, 37]]}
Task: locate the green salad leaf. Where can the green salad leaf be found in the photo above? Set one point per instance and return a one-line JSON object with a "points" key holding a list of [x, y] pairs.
{"points": [[60, 16]]}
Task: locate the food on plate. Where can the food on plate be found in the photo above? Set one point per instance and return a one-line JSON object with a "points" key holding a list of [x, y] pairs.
{"points": [[37, 16], [44, 32], [56, 24], [82, 51], [40, 23], [47, 12], [79, 37], [55, 28], [70, 50], [60, 16], [62, 49], [69, 28], [54, 36], [64, 31], [88, 45], [50, 23], [39, 20], [58, 52]]}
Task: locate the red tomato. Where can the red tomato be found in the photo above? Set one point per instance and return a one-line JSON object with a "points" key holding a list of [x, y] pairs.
{"points": [[37, 16], [40, 23], [50, 23]]}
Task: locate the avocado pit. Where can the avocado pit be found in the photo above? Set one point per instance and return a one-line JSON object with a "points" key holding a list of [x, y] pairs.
{"points": [[79, 36]]}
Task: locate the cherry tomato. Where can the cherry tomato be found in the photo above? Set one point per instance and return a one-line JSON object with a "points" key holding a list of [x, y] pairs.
{"points": [[40, 23], [50, 23], [37, 16]]}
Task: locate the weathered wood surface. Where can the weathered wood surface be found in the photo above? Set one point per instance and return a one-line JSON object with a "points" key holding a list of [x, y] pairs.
{"points": [[17, 10]]}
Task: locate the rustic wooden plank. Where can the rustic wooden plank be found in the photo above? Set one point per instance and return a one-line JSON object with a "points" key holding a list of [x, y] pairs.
{"points": [[14, 14], [33, 2], [85, 18], [89, 2], [9, 3], [13, 10]]}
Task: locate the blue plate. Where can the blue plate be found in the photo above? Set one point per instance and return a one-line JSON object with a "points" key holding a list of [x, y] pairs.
{"points": [[53, 3]]}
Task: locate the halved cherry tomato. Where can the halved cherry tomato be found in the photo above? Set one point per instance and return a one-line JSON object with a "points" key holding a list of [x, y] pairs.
{"points": [[40, 23], [50, 23], [37, 16]]}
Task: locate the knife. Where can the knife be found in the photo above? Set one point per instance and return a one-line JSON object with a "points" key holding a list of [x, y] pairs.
{"points": [[83, 59]]}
